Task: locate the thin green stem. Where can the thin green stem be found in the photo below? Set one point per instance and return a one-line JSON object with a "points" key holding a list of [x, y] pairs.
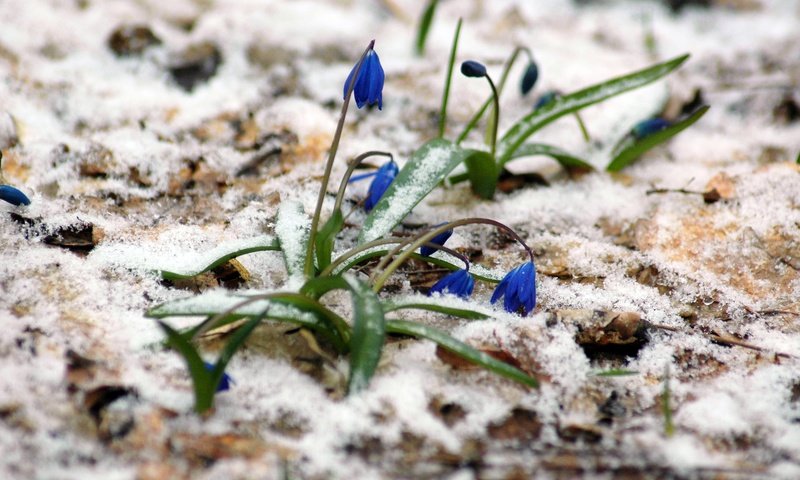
{"points": [[583, 128], [503, 77], [417, 241], [446, 95], [492, 132], [355, 251], [308, 269], [352, 166]]}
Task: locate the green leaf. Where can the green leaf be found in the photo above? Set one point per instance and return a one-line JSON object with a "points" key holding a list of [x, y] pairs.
{"points": [[325, 238], [447, 305], [563, 105], [629, 148], [237, 340], [425, 22], [369, 333], [293, 228], [462, 350], [427, 167], [288, 307], [448, 79], [201, 378], [175, 267], [566, 159], [482, 173]]}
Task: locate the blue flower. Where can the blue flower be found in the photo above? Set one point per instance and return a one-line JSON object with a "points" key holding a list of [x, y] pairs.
{"points": [[224, 382], [458, 283], [427, 251], [368, 89], [471, 68], [383, 178], [649, 127], [545, 99], [529, 78], [13, 195], [519, 288]]}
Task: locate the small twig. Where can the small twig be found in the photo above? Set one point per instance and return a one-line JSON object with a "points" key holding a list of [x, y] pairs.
{"points": [[673, 190], [723, 340]]}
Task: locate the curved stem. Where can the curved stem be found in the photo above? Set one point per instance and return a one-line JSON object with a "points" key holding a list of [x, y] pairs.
{"points": [[308, 269], [492, 132], [355, 251], [350, 167], [503, 77], [415, 242]]}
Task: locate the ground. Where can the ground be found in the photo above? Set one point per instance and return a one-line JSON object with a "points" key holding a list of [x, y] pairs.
{"points": [[167, 129]]}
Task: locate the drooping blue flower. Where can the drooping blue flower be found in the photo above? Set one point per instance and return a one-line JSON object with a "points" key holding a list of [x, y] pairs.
{"points": [[383, 178], [427, 251], [458, 283], [649, 127], [529, 78], [225, 381], [13, 195], [368, 89], [519, 289], [471, 68], [545, 99]]}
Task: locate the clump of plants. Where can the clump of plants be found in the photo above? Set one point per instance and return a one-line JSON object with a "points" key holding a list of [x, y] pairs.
{"points": [[318, 264]]}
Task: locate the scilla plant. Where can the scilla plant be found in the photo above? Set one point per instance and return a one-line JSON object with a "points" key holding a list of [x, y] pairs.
{"points": [[316, 267]]}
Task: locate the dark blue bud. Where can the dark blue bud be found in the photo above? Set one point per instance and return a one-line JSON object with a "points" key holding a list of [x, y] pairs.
{"points": [[459, 283], [368, 89], [650, 126], [383, 178], [471, 68], [545, 99], [224, 383], [519, 289], [529, 78], [427, 251], [13, 195]]}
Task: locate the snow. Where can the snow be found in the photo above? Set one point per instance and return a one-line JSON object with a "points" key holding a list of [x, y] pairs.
{"points": [[724, 268]]}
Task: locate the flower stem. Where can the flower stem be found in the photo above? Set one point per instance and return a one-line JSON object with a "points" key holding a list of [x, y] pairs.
{"points": [[491, 132], [308, 269], [417, 241], [446, 95], [352, 166]]}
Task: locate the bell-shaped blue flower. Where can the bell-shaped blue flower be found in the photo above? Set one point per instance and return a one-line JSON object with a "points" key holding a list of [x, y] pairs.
{"points": [[649, 127], [13, 195], [383, 178], [427, 251], [224, 382], [368, 89], [519, 289], [458, 283], [529, 78]]}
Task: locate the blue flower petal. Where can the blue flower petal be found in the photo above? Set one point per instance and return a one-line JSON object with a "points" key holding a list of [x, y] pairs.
{"points": [[501, 288], [458, 283], [368, 89], [440, 239], [13, 195], [383, 178], [224, 382]]}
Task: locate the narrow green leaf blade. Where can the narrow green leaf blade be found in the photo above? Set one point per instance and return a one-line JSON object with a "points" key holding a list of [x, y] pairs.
{"points": [[482, 173], [462, 350], [428, 166], [629, 149], [573, 102], [566, 159], [293, 228], [201, 378], [446, 305], [236, 341], [615, 372], [369, 333], [425, 22], [326, 237]]}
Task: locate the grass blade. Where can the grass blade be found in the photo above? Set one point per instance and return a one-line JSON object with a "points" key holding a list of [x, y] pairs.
{"points": [[629, 148], [447, 306], [293, 228], [462, 350], [566, 159], [201, 378], [237, 340], [428, 166], [449, 79], [369, 333], [425, 22], [573, 102], [326, 237]]}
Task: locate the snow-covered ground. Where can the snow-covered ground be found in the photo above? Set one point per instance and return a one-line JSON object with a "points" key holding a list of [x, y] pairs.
{"points": [[97, 137]]}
